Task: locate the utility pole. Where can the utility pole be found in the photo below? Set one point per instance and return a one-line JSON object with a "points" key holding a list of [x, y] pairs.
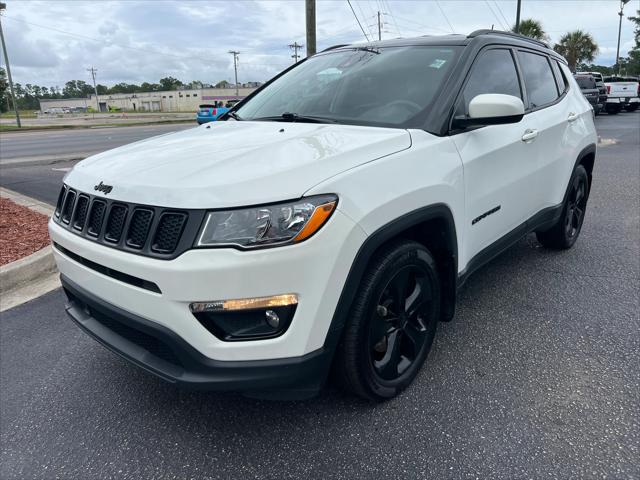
{"points": [[379, 27], [518, 16], [235, 67], [622, 4], [295, 46], [93, 72], [6, 61], [310, 15]]}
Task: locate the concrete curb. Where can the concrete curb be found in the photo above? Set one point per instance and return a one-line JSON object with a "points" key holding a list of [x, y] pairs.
{"points": [[23, 280], [27, 269]]}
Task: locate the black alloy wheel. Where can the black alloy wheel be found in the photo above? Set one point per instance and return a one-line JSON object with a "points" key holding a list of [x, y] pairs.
{"points": [[392, 322]]}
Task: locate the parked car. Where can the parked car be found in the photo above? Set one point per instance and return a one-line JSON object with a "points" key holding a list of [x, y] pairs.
{"points": [[590, 90], [600, 84], [622, 93], [327, 222], [210, 112]]}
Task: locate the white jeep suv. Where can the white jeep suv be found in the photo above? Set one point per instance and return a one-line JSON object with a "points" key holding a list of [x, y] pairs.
{"points": [[326, 222]]}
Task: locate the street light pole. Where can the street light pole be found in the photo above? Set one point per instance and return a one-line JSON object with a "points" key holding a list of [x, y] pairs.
{"points": [[622, 4], [518, 16], [6, 61]]}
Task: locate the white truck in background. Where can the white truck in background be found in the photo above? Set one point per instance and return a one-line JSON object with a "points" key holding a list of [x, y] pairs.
{"points": [[622, 93]]}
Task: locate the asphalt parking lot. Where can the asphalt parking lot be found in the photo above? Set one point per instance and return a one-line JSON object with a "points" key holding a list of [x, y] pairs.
{"points": [[538, 376]]}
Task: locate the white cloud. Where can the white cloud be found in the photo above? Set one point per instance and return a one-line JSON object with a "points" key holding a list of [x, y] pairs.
{"points": [[136, 41]]}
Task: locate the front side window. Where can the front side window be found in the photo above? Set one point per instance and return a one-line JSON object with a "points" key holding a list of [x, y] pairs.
{"points": [[538, 79], [386, 86], [494, 71]]}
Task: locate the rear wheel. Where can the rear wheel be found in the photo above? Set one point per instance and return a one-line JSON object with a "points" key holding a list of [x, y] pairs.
{"points": [[565, 232], [391, 324], [631, 107], [612, 109]]}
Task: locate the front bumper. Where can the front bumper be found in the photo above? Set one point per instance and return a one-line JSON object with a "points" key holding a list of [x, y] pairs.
{"points": [[165, 354], [314, 270]]}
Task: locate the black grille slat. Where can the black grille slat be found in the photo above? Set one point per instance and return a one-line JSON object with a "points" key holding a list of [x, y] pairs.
{"points": [[96, 217], [139, 228], [147, 230], [67, 209], [63, 190], [80, 214], [168, 232], [115, 223]]}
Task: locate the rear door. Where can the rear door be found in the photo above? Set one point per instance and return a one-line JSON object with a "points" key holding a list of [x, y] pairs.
{"points": [[499, 160], [561, 120]]}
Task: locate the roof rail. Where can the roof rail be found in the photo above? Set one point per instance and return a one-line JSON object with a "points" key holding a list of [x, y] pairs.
{"points": [[335, 46], [477, 33]]}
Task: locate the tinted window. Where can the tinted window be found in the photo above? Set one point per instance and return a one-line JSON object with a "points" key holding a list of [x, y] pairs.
{"points": [[538, 78], [365, 86], [493, 72], [586, 83], [560, 80]]}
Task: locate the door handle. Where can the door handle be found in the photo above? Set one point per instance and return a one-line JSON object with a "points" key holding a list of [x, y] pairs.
{"points": [[572, 117], [529, 135]]}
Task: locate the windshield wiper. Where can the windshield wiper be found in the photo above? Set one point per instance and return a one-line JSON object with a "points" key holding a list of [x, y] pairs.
{"points": [[235, 116], [294, 117], [369, 49]]}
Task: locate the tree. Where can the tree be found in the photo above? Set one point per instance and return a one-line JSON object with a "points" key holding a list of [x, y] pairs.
{"points": [[76, 89], [4, 85], [222, 84], [577, 46], [532, 28], [150, 87], [632, 63], [102, 90], [170, 83]]}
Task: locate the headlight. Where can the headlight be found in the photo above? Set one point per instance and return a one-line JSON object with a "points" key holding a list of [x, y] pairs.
{"points": [[268, 225]]}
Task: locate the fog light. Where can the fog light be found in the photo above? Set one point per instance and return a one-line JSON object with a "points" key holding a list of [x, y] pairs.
{"points": [[272, 318], [246, 319]]}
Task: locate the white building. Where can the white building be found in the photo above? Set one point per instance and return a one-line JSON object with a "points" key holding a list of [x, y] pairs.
{"points": [[166, 101]]}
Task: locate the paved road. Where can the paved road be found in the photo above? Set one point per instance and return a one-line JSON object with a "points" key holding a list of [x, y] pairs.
{"points": [[538, 376], [77, 141]]}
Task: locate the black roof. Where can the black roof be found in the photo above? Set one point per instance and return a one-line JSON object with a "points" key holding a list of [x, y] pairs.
{"points": [[481, 36]]}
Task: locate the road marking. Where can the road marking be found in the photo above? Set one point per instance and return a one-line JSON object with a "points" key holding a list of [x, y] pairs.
{"points": [[63, 169]]}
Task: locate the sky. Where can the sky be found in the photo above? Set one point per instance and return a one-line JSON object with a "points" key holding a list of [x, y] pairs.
{"points": [[51, 42]]}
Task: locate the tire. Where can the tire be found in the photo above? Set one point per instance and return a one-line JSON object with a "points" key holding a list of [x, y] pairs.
{"points": [[383, 347], [613, 110], [631, 108], [565, 232]]}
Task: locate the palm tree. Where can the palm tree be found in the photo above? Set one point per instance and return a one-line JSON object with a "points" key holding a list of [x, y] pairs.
{"points": [[576, 47], [531, 28]]}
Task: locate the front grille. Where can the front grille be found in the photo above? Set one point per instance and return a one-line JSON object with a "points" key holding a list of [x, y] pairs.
{"points": [[80, 215], [141, 229], [115, 223], [67, 208], [97, 216], [168, 232]]}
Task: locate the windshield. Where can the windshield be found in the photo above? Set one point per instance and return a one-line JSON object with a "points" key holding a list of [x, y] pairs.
{"points": [[362, 86]]}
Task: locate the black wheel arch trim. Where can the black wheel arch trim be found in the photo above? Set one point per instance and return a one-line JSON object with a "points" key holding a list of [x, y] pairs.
{"points": [[376, 240]]}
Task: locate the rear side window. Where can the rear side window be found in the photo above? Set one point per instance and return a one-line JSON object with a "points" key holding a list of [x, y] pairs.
{"points": [[560, 80], [538, 79], [494, 71]]}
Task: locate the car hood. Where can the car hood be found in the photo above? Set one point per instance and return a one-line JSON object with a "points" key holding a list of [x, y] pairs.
{"points": [[231, 163]]}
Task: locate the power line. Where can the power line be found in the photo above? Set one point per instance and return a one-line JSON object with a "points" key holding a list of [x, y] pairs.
{"points": [[445, 16], [357, 20], [506, 22], [406, 20], [392, 16], [494, 14]]}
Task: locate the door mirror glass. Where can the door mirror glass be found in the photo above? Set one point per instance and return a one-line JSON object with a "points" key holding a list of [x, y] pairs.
{"points": [[491, 109]]}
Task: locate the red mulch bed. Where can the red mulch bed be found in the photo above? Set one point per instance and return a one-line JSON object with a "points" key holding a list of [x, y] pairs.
{"points": [[22, 231]]}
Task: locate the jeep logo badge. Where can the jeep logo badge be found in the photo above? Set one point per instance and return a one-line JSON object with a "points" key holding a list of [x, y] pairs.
{"points": [[101, 187]]}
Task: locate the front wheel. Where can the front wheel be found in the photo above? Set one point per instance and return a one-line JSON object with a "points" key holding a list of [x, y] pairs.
{"points": [[391, 324], [565, 232]]}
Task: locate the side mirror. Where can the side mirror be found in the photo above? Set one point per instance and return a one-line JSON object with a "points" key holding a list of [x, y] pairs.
{"points": [[491, 109]]}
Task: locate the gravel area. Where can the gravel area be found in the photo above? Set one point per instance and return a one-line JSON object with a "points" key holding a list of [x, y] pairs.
{"points": [[22, 231]]}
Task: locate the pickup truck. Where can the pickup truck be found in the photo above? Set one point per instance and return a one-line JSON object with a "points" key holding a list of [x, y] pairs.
{"points": [[590, 90], [623, 92]]}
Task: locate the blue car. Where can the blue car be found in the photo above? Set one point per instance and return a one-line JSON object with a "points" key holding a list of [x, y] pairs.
{"points": [[209, 113]]}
